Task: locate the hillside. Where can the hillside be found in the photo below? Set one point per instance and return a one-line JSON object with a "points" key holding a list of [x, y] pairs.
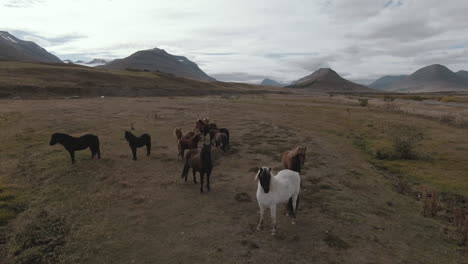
{"points": [[433, 78], [160, 60], [14, 49], [384, 82], [271, 82], [327, 80], [43, 80]]}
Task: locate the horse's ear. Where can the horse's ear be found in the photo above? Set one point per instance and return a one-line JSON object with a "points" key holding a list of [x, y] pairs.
{"points": [[260, 170]]}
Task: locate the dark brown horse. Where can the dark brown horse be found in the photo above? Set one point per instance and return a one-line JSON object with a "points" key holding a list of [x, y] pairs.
{"points": [[180, 135], [187, 143], [213, 133], [294, 159], [220, 139], [199, 160], [204, 127]]}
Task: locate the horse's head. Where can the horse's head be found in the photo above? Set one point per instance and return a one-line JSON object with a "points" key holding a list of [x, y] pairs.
{"points": [[127, 134], [178, 132], [54, 139], [264, 176]]}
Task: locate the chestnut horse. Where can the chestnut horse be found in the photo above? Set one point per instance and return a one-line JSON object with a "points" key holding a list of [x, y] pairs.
{"points": [[294, 159], [187, 143]]}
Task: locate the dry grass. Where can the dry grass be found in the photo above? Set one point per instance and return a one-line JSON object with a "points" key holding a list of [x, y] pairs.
{"points": [[115, 210]]}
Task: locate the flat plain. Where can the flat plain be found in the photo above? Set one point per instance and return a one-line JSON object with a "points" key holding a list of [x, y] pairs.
{"points": [[357, 206]]}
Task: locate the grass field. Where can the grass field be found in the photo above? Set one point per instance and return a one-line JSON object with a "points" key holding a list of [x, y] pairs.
{"points": [[355, 207]]}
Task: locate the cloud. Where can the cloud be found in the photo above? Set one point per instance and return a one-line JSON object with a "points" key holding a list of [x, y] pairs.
{"points": [[249, 40], [21, 3]]}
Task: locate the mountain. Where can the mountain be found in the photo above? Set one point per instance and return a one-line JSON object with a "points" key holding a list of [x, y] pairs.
{"points": [[384, 82], [97, 62], [92, 63], [159, 60], [271, 82], [327, 80], [463, 75], [15, 49], [433, 78]]}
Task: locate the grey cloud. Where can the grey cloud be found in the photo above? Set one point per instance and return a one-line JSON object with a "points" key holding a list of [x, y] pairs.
{"points": [[21, 3]]}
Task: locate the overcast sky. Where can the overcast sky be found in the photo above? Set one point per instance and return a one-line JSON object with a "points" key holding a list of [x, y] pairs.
{"points": [[247, 40]]}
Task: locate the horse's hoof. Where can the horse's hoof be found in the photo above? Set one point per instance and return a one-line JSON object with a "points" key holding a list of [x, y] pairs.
{"points": [[259, 227], [293, 222], [273, 232]]}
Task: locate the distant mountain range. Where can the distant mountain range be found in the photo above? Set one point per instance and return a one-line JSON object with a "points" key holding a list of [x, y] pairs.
{"points": [[327, 80], [433, 78], [12, 48], [159, 60], [271, 82], [384, 82]]}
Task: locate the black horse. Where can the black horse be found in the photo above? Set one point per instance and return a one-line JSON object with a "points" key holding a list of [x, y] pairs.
{"points": [[73, 144], [136, 142]]}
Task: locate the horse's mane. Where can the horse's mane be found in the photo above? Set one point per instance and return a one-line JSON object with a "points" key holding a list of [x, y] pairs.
{"points": [[297, 151]]}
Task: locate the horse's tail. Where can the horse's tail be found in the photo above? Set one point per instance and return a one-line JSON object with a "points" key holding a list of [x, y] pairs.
{"points": [[186, 169], [98, 148]]}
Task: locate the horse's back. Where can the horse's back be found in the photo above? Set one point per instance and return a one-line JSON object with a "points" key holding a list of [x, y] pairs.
{"points": [[289, 178], [191, 154]]}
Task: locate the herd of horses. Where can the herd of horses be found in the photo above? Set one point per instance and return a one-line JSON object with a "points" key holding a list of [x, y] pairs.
{"points": [[271, 189]]}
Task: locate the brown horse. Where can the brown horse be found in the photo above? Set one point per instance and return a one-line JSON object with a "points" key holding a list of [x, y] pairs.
{"points": [[220, 139], [204, 127], [199, 160], [294, 159], [179, 135], [187, 143]]}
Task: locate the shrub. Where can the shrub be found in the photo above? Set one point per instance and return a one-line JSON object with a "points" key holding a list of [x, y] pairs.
{"points": [[363, 101], [404, 142], [389, 98]]}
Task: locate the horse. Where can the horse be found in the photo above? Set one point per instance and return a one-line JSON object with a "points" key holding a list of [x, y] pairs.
{"points": [[294, 159], [187, 143], [199, 160], [274, 189], [72, 144], [213, 133], [179, 135], [136, 142], [220, 140], [204, 127]]}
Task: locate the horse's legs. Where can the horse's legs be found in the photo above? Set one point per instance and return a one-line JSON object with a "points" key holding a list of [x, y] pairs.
{"points": [[148, 149], [72, 156], [134, 153], [295, 203], [208, 174], [194, 172], [202, 175], [98, 153], [260, 222], [93, 152], [273, 219]]}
